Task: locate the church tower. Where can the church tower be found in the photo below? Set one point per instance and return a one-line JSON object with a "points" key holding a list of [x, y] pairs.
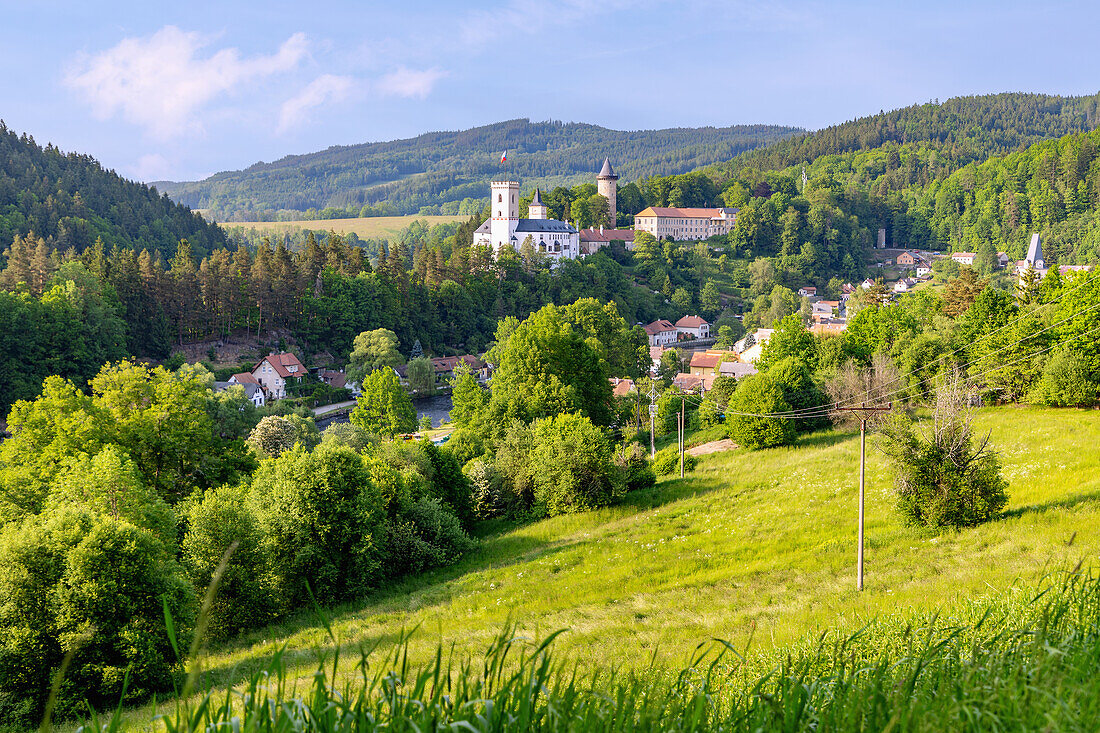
{"points": [[537, 209], [504, 215], [607, 187]]}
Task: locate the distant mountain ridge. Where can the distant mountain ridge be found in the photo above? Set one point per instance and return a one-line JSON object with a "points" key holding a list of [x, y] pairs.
{"points": [[433, 169]]}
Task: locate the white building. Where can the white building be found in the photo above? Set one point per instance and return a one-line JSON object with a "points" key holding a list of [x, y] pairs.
{"points": [[963, 258], [556, 239], [252, 389], [683, 223], [661, 333], [693, 326]]}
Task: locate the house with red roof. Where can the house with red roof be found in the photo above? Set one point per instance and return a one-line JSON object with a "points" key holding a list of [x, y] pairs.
{"points": [[661, 333], [693, 326], [275, 370], [593, 240], [621, 387]]}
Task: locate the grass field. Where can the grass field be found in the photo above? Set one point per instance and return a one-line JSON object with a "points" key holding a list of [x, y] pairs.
{"points": [[373, 227], [758, 545], [754, 548]]}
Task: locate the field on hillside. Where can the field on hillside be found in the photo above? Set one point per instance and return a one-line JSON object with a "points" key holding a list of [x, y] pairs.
{"points": [[756, 546], [371, 227]]}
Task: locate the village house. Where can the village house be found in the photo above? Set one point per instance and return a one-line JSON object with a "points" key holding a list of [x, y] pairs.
{"points": [[684, 223], [705, 363], [622, 387], [904, 285], [736, 369], [809, 291], [655, 356], [963, 258], [275, 371], [1002, 260], [692, 383], [661, 333], [693, 326], [252, 389], [923, 271], [338, 380], [750, 347], [593, 240], [445, 366], [824, 309], [908, 259]]}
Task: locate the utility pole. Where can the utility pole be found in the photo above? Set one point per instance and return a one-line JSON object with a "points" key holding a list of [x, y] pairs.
{"points": [[682, 436], [862, 410], [652, 419]]}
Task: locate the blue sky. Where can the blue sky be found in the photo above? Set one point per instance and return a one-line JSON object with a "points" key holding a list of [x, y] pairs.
{"points": [[182, 90]]}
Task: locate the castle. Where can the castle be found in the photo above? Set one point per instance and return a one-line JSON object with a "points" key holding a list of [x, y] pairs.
{"points": [[556, 239]]}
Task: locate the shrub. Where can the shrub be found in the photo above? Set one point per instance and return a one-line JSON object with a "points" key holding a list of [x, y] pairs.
{"points": [[321, 518], [98, 585], [632, 461], [944, 480], [667, 461], [488, 496], [346, 434], [273, 435], [1066, 382], [800, 392], [571, 466], [756, 397], [245, 597], [426, 535]]}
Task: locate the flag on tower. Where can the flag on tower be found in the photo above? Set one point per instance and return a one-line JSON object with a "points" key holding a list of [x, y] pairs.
{"points": [[503, 157]]}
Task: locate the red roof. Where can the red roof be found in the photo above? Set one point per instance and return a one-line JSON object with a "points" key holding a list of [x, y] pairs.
{"points": [[607, 235], [448, 363], [244, 378], [669, 212], [691, 322], [659, 327], [705, 361], [622, 387], [333, 378], [281, 363]]}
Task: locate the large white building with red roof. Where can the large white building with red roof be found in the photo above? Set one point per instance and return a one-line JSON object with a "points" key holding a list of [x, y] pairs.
{"points": [[693, 326], [274, 371], [684, 223]]}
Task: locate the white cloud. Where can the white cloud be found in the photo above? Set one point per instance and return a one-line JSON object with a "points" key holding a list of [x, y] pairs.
{"points": [[151, 167], [409, 82], [161, 84], [324, 88]]}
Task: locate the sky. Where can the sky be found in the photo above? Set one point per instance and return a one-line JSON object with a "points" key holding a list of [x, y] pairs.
{"points": [[179, 91]]}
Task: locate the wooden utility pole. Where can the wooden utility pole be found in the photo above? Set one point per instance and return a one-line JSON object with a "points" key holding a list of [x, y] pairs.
{"points": [[862, 410], [682, 436], [652, 419]]}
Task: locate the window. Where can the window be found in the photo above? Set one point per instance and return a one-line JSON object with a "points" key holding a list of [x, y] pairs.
{"points": [[500, 198]]}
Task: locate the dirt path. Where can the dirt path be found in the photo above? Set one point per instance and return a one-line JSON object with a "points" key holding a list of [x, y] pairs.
{"points": [[715, 446]]}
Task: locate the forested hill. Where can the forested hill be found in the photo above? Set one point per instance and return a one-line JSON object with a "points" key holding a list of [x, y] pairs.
{"points": [[962, 129], [444, 168], [70, 200]]}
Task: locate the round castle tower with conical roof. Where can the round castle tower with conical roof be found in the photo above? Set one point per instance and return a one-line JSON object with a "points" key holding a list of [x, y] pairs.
{"points": [[607, 186]]}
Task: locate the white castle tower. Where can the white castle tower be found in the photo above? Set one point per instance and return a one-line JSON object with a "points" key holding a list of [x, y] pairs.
{"points": [[537, 209], [504, 216], [607, 187]]}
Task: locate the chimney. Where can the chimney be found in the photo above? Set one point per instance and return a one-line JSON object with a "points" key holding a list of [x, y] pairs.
{"points": [[601, 228]]}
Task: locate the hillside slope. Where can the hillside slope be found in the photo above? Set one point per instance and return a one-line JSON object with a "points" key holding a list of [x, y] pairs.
{"points": [[402, 176], [70, 200], [752, 545], [961, 129]]}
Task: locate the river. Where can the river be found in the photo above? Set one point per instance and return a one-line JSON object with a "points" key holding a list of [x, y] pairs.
{"points": [[437, 407]]}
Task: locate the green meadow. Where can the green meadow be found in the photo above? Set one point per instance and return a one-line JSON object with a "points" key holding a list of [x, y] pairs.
{"points": [[756, 548]]}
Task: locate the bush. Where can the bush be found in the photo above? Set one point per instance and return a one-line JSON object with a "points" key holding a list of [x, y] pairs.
{"points": [[245, 597], [321, 517], [800, 392], [632, 461], [1067, 382], [427, 535], [273, 436], [487, 493], [667, 461], [96, 585], [571, 466], [944, 480], [757, 396]]}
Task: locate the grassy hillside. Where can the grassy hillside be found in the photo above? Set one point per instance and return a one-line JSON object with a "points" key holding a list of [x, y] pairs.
{"points": [[752, 545], [370, 227], [402, 176]]}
